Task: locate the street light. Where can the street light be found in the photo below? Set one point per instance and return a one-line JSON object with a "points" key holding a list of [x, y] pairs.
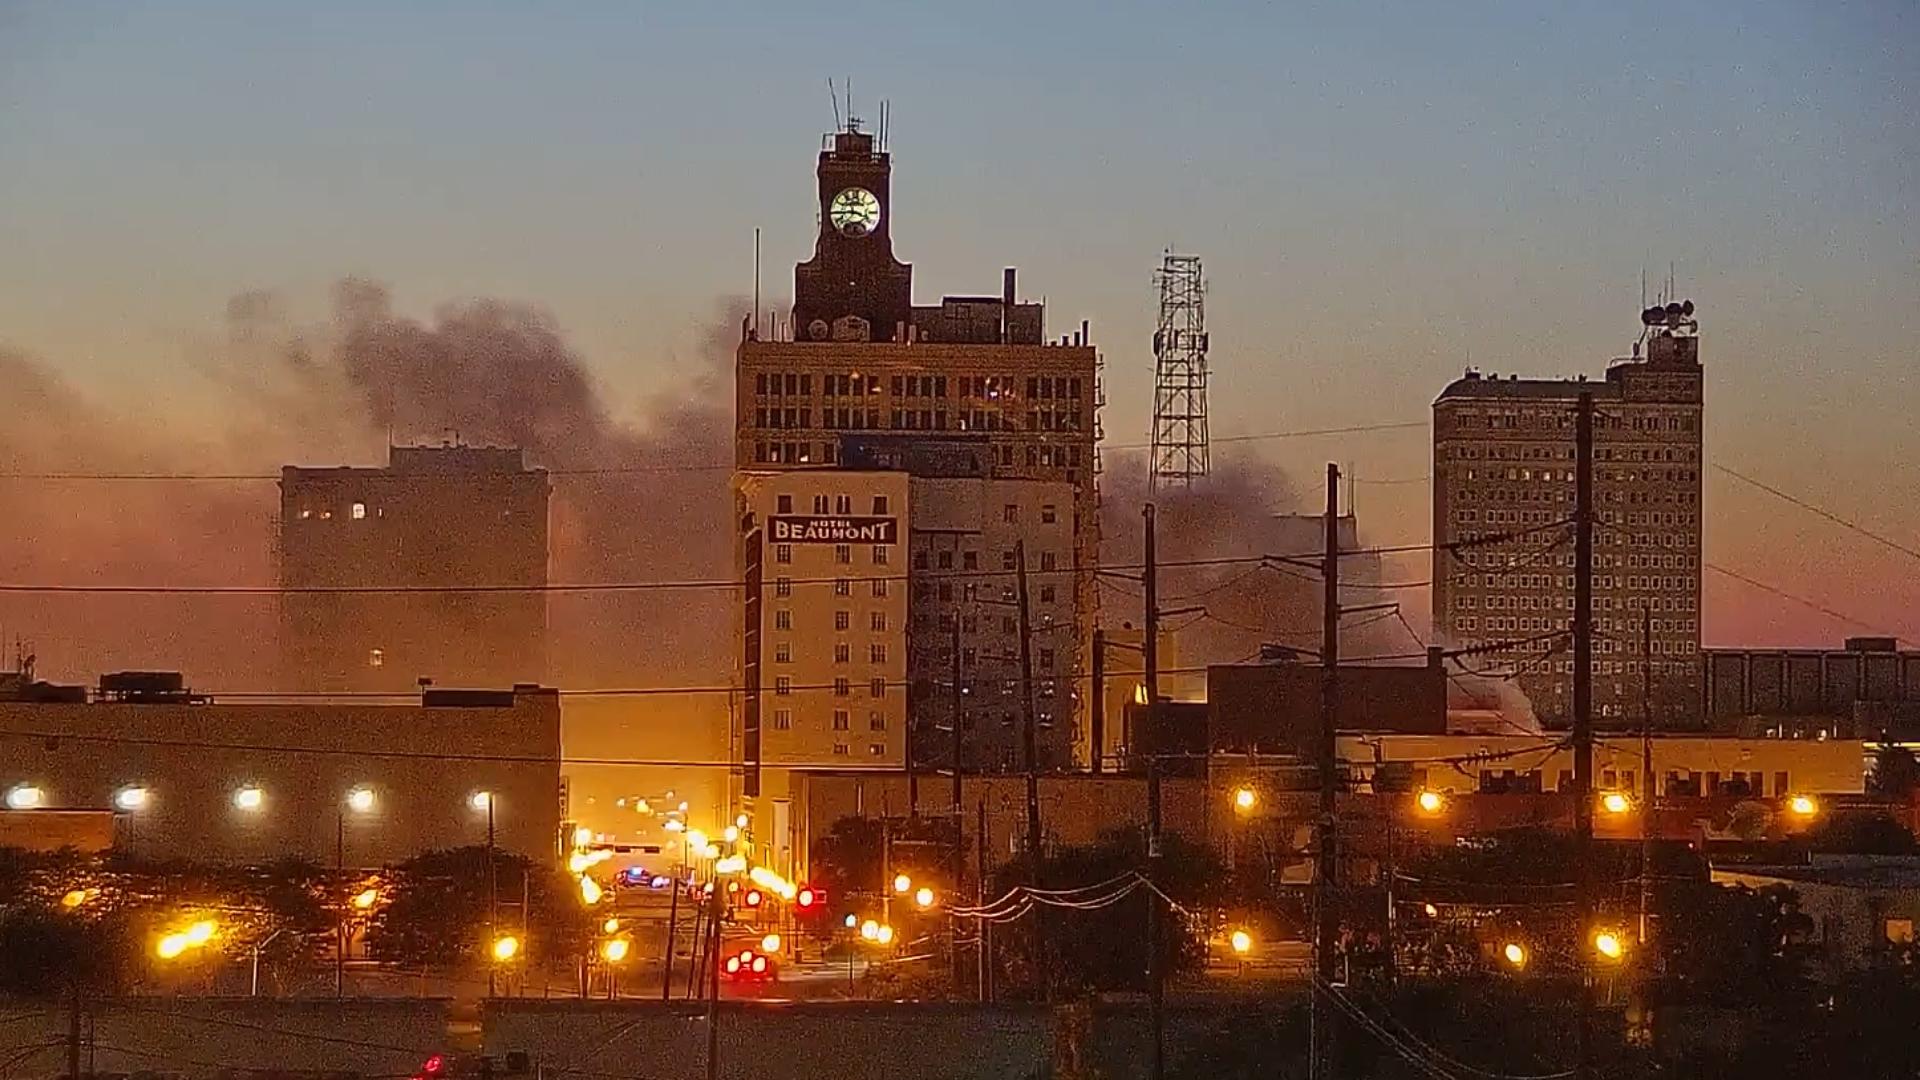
{"points": [[360, 800], [1515, 954], [870, 930], [1244, 799], [171, 946], [770, 943], [924, 898], [132, 797], [614, 950], [1430, 801], [1803, 805], [505, 948], [480, 801], [590, 890], [249, 798], [25, 797], [885, 936], [902, 883], [1242, 942], [366, 898], [1609, 944], [1614, 802]]}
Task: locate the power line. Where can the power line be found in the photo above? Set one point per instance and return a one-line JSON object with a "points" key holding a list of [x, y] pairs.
{"points": [[1821, 512], [638, 470], [1804, 602]]}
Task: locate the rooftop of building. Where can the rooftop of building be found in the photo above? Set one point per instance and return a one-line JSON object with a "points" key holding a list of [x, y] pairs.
{"points": [[445, 459]]}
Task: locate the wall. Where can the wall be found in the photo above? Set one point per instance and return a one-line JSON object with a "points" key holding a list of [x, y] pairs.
{"points": [[1822, 767], [305, 758], [1276, 707], [1850, 900]]}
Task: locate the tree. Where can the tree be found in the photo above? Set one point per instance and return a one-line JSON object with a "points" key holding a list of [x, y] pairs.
{"points": [[1083, 949], [1895, 773], [436, 910]]}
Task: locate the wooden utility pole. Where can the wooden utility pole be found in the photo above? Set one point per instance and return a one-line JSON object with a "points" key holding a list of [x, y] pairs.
{"points": [[1326, 863], [1097, 703], [980, 900], [1150, 652], [959, 706], [1583, 720], [1026, 704]]}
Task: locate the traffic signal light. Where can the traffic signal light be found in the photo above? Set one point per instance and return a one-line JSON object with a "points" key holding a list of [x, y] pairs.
{"points": [[809, 899], [753, 898]]}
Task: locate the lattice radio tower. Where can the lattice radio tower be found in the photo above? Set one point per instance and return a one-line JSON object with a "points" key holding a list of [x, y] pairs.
{"points": [[1180, 453]]}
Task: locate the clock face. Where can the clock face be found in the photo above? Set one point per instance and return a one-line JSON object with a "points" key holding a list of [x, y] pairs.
{"points": [[854, 212]]}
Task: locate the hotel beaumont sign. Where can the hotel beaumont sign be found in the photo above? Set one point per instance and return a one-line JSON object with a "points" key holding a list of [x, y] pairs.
{"points": [[834, 530]]}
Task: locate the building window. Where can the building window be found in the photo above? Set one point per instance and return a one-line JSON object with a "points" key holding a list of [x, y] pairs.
{"points": [[1010, 513], [877, 620], [842, 620], [879, 505], [843, 504], [1006, 560], [877, 688], [1046, 659], [876, 749], [783, 587], [876, 653], [839, 749], [879, 554], [376, 658], [1047, 514], [840, 720], [783, 553], [358, 511], [843, 554], [946, 560], [879, 588], [819, 504], [782, 719], [876, 720], [783, 619], [970, 560], [842, 652], [783, 652], [1046, 594], [842, 587], [783, 685], [784, 504], [841, 688]]}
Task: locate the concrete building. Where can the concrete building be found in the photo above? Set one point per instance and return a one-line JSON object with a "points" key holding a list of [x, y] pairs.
{"points": [[1867, 688], [175, 773], [1863, 907], [1275, 708], [435, 521], [860, 358], [1503, 478]]}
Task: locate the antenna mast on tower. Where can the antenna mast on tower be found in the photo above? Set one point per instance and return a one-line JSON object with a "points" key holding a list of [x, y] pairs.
{"points": [[1180, 452]]}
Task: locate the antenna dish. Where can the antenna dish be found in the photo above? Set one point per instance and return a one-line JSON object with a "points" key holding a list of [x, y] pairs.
{"points": [[1686, 307]]}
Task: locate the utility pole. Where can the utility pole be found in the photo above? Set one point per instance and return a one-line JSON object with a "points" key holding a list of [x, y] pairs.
{"points": [[1583, 719], [493, 896], [1097, 704], [673, 920], [985, 943], [959, 813], [73, 1027], [340, 917], [1150, 652], [1326, 864], [1646, 767], [1026, 705], [713, 973]]}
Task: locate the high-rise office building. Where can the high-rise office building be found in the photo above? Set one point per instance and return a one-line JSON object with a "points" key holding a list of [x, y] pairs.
{"points": [[858, 360], [430, 568], [1503, 480]]}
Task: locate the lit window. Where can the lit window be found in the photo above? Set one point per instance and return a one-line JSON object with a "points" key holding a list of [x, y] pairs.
{"points": [[783, 685], [840, 749], [305, 513], [376, 658], [783, 553], [877, 750], [358, 511]]}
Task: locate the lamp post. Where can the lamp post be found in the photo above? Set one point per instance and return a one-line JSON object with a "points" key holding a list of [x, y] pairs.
{"points": [[254, 986], [483, 800], [359, 800]]}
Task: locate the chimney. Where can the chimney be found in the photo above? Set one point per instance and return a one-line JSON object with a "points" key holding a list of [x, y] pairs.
{"points": [[1006, 306]]}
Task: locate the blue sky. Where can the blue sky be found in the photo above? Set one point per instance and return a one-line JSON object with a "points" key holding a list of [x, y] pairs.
{"points": [[1378, 190]]}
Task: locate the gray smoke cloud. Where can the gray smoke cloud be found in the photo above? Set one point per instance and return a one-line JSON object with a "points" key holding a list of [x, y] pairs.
{"points": [[484, 371]]}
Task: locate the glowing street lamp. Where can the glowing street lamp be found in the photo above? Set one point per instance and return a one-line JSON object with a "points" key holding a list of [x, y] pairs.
{"points": [[870, 930], [480, 801], [614, 950], [25, 797], [1241, 941], [1613, 802], [1430, 801], [131, 798], [590, 890], [74, 898], [1244, 800], [1609, 944], [366, 898], [171, 946], [505, 948], [770, 943], [1803, 806], [360, 800], [1515, 954], [731, 834], [924, 898], [902, 883], [851, 921], [201, 932], [885, 935], [249, 798]]}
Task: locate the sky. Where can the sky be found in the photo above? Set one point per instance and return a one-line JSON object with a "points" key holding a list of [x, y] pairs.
{"points": [[1383, 193]]}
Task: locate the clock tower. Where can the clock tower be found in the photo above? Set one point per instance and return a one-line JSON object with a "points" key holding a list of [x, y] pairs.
{"points": [[853, 289]]}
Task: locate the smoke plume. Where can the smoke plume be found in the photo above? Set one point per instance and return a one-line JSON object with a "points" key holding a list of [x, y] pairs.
{"points": [[484, 372]]}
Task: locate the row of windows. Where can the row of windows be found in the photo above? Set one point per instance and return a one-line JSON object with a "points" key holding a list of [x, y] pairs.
{"points": [[837, 504], [842, 620], [842, 554], [989, 387], [800, 418], [1602, 583], [783, 587], [842, 720], [355, 511], [826, 453], [1561, 418], [842, 686], [842, 652], [970, 593]]}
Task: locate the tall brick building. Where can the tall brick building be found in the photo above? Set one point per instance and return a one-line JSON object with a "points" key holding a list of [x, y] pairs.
{"points": [[435, 518], [859, 360], [1503, 463]]}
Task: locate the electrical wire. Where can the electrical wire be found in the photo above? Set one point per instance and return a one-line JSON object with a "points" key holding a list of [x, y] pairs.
{"points": [[634, 470], [1804, 602], [1819, 511]]}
